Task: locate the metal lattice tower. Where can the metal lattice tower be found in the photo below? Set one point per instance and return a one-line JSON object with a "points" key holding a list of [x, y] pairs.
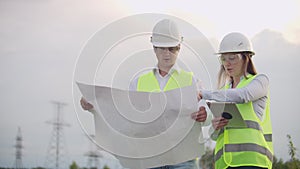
{"points": [[56, 147], [93, 155], [19, 146]]}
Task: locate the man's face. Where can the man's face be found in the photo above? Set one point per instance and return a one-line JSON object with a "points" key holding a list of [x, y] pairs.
{"points": [[166, 56]]}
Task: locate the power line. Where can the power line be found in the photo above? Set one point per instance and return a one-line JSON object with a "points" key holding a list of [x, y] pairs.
{"points": [[56, 147], [19, 146], [93, 155]]}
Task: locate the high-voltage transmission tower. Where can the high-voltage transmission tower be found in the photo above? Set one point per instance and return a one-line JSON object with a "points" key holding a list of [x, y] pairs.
{"points": [[56, 148], [19, 146], [93, 155]]}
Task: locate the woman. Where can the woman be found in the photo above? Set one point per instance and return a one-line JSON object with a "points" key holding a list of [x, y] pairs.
{"points": [[241, 147]]}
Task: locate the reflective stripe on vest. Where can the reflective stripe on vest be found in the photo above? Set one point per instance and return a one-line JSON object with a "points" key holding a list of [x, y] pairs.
{"points": [[253, 125], [268, 137], [149, 83], [246, 146]]}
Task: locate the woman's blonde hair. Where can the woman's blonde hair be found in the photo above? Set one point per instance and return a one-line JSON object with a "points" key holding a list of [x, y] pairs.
{"points": [[248, 67]]}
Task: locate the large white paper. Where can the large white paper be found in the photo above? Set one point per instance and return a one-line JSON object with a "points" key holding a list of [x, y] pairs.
{"points": [[145, 129]]}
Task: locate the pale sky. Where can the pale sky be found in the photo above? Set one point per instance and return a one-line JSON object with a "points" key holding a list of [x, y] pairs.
{"points": [[41, 40], [216, 18]]}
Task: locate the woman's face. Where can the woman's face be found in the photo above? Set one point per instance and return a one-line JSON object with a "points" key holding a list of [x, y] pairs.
{"points": [[233, 64]]}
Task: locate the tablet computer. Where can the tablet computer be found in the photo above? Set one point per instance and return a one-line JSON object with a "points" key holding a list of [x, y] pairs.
{"points": [[230, 109]]}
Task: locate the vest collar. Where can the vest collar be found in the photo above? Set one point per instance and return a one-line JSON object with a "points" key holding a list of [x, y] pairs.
{"points": [[241, 79], [174, 68]]}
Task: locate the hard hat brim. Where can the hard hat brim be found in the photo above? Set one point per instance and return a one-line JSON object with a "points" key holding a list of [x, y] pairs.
{"points": [[156, 44], [168, 42], [234, 51]]}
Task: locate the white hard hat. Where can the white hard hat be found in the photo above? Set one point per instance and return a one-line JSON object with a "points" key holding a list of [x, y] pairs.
{"points": [[165, 34], [235, 42]]}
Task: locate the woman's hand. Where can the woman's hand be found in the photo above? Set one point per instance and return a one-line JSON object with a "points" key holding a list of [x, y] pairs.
{"points": [[219, 122], [85, 105]]}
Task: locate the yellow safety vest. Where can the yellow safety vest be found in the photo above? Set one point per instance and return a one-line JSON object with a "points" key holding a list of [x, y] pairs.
{"points": [[246, 146], [149, 83]]}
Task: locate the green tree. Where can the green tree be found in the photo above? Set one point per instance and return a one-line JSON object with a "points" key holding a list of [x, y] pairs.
{"points": [[105, 167], [292, 149], [278, 164], [74, 165], [294, 163], [39, 168]]}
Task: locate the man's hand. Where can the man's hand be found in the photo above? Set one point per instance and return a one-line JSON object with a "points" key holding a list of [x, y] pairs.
{"points": [[199, 96], [201, 115], [219, 122], [86, 105]]}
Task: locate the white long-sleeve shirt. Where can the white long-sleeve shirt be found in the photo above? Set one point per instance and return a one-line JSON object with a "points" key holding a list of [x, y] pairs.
{"points": [[256, 91]]}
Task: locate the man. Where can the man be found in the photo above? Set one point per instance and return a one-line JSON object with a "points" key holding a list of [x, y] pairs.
{"points": [[167, 75]]}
